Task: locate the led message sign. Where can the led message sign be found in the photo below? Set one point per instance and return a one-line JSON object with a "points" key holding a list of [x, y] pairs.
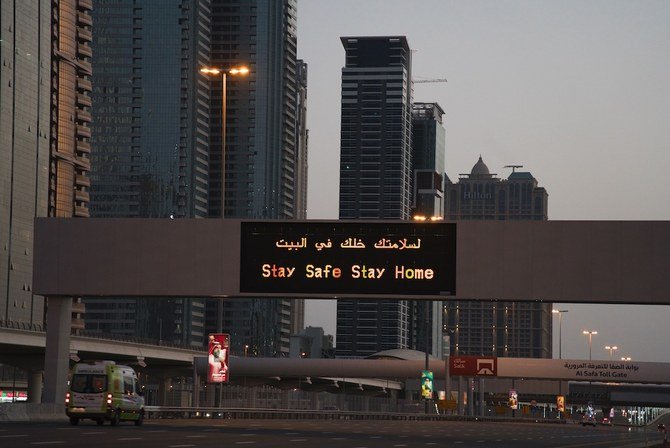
{"points": [[348, 258]]}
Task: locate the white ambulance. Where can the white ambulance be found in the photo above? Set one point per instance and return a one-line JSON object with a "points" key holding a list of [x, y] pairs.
{"points": [[103, 390]]}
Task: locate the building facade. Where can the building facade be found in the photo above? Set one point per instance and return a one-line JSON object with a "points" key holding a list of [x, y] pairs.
{"points": [[501, 328], [150, 154], [45, 91], [428, 163], [263, 173], [375, 174]]}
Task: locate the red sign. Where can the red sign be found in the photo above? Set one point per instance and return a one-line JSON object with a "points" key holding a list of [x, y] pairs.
{"points": [[473, 366], [219, 348]]}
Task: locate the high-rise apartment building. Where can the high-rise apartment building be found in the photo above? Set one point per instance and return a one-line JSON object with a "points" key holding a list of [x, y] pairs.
{"points": [[428, 162], [516, 329], [375, 174], [150, 154], [264, 168], [428, 156], [44, 136], [376, 129]]}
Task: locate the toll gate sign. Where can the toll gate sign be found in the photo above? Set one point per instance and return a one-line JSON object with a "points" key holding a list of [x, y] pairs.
{"points": [[346, 258]]}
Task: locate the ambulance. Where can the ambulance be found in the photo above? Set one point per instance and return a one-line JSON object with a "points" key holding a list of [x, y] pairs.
{"points": [[104, 390]]}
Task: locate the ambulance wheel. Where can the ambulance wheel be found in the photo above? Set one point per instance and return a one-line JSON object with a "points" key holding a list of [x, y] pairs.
{"points": [[140, 419], [74, 421]]}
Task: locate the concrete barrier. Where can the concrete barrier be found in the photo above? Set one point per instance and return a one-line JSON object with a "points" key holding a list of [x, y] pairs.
{"points": [[28, 412]]}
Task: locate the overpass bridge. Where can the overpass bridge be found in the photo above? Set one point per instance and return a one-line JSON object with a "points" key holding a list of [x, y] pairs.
{"points": [[625, 382]]}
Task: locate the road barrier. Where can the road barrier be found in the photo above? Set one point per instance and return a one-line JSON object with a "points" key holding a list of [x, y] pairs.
{"points": [[163, 412]]}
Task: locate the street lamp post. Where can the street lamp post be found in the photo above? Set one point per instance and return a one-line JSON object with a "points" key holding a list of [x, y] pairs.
{"points": [[611, 349], [590, 333], [213, 71], [560, 325]]}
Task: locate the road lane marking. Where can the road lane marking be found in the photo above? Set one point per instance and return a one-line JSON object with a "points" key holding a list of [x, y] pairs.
{"points": [[198, 436], [179, 446], [53, 442], [297, 440], [92, 433], [14, 435], [125, 439]]}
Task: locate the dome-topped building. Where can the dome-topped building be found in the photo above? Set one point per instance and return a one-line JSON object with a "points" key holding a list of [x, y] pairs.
{"points": [[480, 170], [502, 328]]}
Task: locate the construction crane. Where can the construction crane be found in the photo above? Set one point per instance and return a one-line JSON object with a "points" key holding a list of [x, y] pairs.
{"points": [[417, 81]]}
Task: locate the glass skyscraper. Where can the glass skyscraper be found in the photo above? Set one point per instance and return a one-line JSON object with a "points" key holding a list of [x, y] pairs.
{"points": [[266, 151], [375, 175], [150, 155]]}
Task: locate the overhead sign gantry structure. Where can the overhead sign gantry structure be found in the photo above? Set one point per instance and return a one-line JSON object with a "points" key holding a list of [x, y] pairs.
{"points": [[556, 261]]}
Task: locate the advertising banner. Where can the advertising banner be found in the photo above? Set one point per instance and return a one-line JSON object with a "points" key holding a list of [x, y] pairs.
{"points": [[560, 403], [219, 348], [427, 384], [513, 400]]}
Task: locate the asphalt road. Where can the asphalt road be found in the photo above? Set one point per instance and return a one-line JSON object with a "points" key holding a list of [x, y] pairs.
{"points": [[318, 433]]}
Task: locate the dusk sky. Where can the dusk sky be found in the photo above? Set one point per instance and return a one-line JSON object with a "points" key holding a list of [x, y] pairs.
{"points": [[578, 92]]}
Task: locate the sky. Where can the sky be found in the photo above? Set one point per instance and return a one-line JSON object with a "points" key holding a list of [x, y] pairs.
{"points": [[576, 91]]}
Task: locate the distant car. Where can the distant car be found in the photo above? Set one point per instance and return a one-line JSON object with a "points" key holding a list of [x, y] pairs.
{"points": [[589, 419], [607, 421]]}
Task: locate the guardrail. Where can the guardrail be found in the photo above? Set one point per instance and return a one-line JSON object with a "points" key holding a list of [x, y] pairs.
{"points": [[163, 412]]}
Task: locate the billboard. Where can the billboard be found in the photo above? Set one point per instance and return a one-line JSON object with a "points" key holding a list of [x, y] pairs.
{"points": [[218, 352], [393, 258]]}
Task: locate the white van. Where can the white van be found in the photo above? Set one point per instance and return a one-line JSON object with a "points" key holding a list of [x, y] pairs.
{"points": [[103, 390]]}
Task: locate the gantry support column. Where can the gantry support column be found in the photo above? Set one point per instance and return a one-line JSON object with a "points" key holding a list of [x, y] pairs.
{"points": [[57, 353], [35, 386]]}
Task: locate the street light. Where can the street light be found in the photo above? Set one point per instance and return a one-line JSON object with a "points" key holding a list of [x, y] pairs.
{"points": [[611, 349], [590, 333], [560, 324], [246, 350], [214, 71]]}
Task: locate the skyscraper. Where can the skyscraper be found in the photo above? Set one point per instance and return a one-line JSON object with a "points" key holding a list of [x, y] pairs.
{"points": [[150, 148], [44, 132], [264, 170], [376, 129], [375, 174], [428, 158], [428, 153], [517, 329]]}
